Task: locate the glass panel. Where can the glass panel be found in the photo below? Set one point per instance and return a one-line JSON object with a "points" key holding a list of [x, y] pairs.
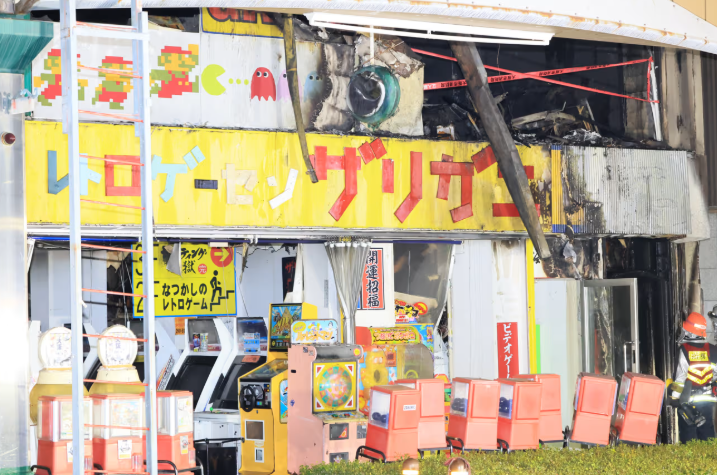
{"points": [[97, 407], [609, 330], [163, 416], [420, 277], [459, 399], [268, 371], [600, 341], [254, 430], [505, 407], [380, 407], [185, 415], [125, 413], [414, 361], [624, 392]]}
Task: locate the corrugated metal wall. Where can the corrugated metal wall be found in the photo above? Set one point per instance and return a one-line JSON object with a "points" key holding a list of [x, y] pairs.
{"points": [[709, 102], [625, 191]]}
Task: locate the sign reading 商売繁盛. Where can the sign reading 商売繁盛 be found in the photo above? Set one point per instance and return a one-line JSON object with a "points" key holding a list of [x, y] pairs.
{"points": [[230, 178]]}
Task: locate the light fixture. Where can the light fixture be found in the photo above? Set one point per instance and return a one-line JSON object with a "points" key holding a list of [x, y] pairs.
{"points": [[398, 27], [411, 467], [459, 466]]}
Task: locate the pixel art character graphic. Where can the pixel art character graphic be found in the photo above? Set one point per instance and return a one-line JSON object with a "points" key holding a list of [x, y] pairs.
{"points": [[313, 87], [53, 90], [114, 88], [283, 93], [174, 79], [263, 85]]}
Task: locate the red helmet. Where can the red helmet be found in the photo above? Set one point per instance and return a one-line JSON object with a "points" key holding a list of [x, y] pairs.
{"points": [[696, 324]]}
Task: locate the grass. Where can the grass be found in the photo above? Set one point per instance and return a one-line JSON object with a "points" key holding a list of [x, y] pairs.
{"points": [[692, 458]]}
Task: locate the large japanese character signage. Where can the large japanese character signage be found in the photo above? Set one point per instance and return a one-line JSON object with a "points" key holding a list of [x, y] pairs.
{"points": [[205, 288], [508, 359], [230, 178], [372, 296]]}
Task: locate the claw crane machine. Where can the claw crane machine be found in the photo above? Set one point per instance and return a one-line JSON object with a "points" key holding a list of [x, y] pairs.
{"points": [[263, 393], [324, 422]]}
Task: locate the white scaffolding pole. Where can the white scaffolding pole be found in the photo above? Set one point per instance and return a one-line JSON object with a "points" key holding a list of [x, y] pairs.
{"points": [[138, 33]]}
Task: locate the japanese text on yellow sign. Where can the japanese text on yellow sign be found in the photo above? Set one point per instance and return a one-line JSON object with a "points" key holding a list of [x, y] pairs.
{"points": [[205, 288], [231, 178]]}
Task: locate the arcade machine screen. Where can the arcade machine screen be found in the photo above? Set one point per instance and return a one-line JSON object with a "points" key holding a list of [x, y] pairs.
{"points": [[334, 386], [193, 375], [252, 344], [282, 316]]}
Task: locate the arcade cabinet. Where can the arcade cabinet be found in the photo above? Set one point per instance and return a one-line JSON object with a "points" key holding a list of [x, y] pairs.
{"points": [[639, 405], [116, 357], [324, 422], [221, 424], [262, 396], [199, 371], [55, 377], [392, 424], [595, 396], [386, 363], [55, 434], [519, 413], [118, 434], [431, 422], [550, 417], [473, 423]]}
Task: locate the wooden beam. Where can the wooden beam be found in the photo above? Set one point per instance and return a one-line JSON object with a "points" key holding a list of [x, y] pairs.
{"points": [[292, 79], [506, 153]]}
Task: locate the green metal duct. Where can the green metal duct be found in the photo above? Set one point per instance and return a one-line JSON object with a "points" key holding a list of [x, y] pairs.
{"points": [[20, 42]]}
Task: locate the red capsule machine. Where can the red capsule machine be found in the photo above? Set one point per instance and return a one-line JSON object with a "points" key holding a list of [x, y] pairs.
{"points": [[175, 429], [473, 423], [519, 413], [551, 429], [54, 445], [118, 433], [594, 406], [432, 420], [639, 405], [392, 431]]}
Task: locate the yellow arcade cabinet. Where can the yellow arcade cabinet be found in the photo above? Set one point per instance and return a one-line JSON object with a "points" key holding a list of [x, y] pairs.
{"points": [[263, 396]]}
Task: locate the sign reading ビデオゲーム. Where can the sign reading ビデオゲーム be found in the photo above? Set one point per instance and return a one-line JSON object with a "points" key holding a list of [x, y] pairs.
{"points": [[227, 178]]}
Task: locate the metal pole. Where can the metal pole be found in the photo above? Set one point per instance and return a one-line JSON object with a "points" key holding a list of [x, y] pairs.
{"points": [[506, 154], [140, 57], [71, 127]]}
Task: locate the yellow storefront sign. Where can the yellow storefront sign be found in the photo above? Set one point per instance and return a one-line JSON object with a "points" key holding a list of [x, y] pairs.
{"points": [[229, 178], [205, 288], [230, 21]]}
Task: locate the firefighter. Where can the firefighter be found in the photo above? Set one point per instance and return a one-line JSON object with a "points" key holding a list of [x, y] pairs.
{"points": [[692, 391]]}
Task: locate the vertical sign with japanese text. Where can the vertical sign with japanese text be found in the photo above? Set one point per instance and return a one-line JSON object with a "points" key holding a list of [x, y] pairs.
{"points": [[372, 297], [205, 288], [508, 359]]}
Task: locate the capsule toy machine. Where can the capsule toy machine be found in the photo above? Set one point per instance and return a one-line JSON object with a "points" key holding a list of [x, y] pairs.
{"points": [[55, 377], [117, 442], [392, 431], [263, 396], [639, 405], [595, 396], [324, 422], [54, 453], [550, 416], [519, 413], [175, 425], [117, 375], [473, 423], [431, 422]]}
